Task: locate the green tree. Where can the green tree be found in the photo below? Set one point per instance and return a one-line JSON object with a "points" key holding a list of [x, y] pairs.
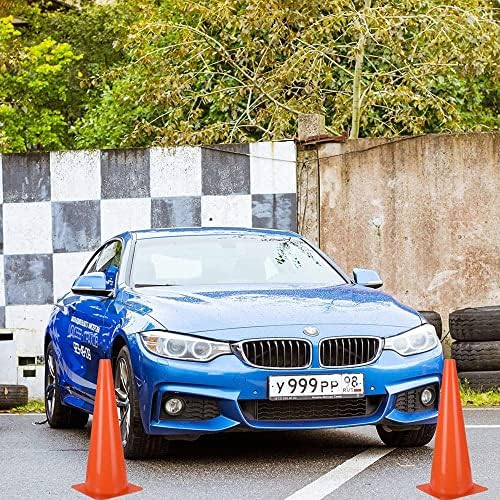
{"points": [[237, 71], [96, 32], [33, 92], [189, 72], [424, 66]]}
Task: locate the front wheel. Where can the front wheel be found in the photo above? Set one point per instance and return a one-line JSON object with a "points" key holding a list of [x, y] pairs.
{"points": [[58, 415], [136, 443], [411, 438]]}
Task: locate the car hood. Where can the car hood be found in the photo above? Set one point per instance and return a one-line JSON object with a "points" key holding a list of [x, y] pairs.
{"points": [[227, 313]]}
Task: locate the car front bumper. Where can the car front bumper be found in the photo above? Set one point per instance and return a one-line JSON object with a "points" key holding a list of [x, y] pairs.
{"points": [[230, 382]]}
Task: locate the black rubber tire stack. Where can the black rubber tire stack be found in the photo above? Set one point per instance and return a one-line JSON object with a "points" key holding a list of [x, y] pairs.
{"points": [[434, 319], [12, 396], [476, 331]]}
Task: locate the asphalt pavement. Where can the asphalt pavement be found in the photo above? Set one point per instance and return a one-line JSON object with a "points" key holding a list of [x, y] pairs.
{"points": [[38, 462]]}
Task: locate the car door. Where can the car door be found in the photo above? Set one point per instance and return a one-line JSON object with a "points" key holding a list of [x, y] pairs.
{"points": [[88, 331]]}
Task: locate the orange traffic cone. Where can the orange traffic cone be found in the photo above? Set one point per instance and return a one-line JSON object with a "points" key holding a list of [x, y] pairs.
{"points": [[106, 473], [451, 475]]}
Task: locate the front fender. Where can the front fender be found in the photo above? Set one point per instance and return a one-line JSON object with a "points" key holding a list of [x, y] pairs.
{"points": [[132, 322]]}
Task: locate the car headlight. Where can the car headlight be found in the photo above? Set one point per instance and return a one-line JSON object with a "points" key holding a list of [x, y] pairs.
{"points": [[176, 346], [420, 339]]}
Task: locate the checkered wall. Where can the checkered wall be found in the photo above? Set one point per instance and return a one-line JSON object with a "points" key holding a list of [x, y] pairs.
{"points": [[56, 208]]}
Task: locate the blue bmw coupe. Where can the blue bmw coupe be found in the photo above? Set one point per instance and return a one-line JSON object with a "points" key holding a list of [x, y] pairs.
{"points": [[218, 329]]}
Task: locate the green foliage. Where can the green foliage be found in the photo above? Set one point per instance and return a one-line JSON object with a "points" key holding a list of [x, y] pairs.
{"points": [[30, 407], [470, 397], [33, 92], [238, 71], [184, 72]]}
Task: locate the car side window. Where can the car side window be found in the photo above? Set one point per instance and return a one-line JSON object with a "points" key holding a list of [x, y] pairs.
{"points": [[107, 261], [90, 267], [109, 257]]}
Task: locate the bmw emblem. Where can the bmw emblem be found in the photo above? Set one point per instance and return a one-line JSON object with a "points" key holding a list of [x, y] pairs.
{"points": [[312, 331]]}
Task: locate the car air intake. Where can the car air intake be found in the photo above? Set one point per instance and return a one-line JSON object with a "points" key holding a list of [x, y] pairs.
{"points": [[195, 408], [318, 409], [348, 351], [409, 401], [276, 353]]}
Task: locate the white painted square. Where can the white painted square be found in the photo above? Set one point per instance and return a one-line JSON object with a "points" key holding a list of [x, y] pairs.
{"points": [[31, 317], [8, 360], [27, 228], [1, 180], [272, 167], [75, 175], [2, 283], [67, 267], [175, 171], [127, 214], [34, 384], [29, 343], [232, 211]]}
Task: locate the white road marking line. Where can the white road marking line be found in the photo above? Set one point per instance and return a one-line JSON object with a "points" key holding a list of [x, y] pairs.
{"points": [[334, 479], [482, 426]]}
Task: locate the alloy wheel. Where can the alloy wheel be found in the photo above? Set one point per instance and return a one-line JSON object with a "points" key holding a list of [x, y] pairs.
{"points": [[122, 393], [50, 384]]}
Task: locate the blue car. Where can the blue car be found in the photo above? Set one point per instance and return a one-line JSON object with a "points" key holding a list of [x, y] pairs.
{"points": [[222, 329]]}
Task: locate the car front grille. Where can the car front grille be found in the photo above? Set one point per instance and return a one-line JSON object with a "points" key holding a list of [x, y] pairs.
{"points": [[276, 353], [315, 409], [348, 351], [409, 401]]}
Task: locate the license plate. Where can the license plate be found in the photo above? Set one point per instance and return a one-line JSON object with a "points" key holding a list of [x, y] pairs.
{"points": [[316, 386]]}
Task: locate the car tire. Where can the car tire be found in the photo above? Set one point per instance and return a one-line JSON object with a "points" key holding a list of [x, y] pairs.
{"points": [[419, 436], [480, 381], [136, 443], [476, 323], [59, 416], [434, 319], [12, 396], [476, 356]]}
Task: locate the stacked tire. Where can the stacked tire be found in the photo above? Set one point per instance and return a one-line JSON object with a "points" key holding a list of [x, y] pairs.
{"points": [[476, 331], [434, 319], [12, 396]]}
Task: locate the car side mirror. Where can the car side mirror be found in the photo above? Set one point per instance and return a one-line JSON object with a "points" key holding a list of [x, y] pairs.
{"points": [[367, 277], [92, 284]]}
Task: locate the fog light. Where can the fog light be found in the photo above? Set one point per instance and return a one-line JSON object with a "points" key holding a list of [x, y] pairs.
{"points": [[427, 396], [174, 406]]}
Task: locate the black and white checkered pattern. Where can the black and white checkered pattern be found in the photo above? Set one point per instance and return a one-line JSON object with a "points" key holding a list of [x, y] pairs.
{"points": [[56, 208]]}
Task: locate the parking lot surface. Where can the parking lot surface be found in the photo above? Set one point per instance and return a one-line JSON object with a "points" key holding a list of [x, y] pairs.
{"points": [[39, 462]]}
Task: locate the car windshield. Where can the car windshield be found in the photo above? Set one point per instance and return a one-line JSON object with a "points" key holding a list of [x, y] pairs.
{"points": [[229, 259]]}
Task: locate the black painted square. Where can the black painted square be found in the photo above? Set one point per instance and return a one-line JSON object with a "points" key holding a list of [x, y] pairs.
{"points": [[76, 226], [274, 211], [125, 173], [26, 177], [225, 169], [178, 211], [28, 279]]}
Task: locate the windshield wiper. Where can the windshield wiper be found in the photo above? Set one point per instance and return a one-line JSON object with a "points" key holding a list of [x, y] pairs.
{"points": [[138, 285]]}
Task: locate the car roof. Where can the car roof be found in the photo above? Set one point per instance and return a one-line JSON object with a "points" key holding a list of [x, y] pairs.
{"points": [[202, 231]]}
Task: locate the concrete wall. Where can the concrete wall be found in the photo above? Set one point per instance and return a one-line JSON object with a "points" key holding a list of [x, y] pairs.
{"points": [[57, 208], [424, 212]]}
